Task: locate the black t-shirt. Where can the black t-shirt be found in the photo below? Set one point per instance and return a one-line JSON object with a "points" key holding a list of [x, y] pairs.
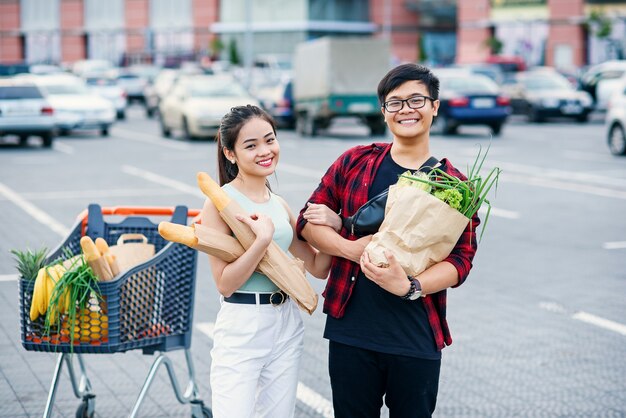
{"points": [[376, 319]]}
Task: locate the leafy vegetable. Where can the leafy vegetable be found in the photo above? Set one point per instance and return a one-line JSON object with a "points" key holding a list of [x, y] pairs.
{"points": [[71, 295], [450, 196], [467, 196]]}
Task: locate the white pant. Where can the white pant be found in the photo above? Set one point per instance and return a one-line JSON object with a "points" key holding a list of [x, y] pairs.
{"points": [[255, 360]]}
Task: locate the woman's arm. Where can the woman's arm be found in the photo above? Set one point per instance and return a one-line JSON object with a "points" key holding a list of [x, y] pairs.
{"points": [[315, 262], [320, 214], [231, 276]]}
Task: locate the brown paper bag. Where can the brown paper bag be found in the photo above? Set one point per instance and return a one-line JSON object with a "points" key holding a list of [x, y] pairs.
{"points": [[419, 229], [140, 292], [130, 254]]}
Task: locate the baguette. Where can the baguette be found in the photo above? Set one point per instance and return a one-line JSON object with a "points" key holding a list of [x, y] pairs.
{"points": [[89, 249], [102, 246], [104, 249], [178, 233]]}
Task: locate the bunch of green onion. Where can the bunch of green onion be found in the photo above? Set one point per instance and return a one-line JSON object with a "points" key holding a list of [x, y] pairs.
{"points": [[466, 196], [81, 283]]}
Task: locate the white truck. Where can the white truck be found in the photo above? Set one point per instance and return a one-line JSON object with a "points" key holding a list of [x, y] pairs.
{"points": [[337, 77]]}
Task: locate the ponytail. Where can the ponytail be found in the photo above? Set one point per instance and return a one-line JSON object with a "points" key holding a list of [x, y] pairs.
{"points": [[226, 170]]}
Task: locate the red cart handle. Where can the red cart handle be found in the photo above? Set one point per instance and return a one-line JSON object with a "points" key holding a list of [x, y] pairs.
{"points": [[136, 210]]}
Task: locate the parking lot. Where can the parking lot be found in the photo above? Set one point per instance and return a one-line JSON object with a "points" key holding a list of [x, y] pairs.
{"points": [[539, 327]]}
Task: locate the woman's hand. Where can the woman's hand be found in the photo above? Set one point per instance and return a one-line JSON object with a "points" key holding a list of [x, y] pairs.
{"points": [[322, 215], [261, 225]]}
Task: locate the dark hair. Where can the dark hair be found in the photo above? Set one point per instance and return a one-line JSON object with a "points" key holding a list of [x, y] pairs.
{"points": [[227, 135], [408, 72]]}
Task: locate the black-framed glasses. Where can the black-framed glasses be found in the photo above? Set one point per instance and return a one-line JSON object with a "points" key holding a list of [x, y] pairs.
{"points": [[415, 102]]}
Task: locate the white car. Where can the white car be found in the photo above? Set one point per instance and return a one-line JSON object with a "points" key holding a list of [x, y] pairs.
{"points": [[133, 85], [110, 90], [616, 120], [601, 81], [24, 111], [197, 104], [75, 106]]}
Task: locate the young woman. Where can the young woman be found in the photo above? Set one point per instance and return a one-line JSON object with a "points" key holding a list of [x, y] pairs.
{"points": [[258, 334]]}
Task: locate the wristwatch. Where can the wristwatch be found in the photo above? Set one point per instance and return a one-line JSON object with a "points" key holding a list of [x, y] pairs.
{"points": [[415, 291]]}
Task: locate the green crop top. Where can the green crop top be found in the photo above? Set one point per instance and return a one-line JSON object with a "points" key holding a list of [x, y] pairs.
{"points": [[283, 233]]}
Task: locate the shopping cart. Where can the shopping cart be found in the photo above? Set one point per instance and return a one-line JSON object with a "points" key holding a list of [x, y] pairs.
{"points": [[148, 307]]}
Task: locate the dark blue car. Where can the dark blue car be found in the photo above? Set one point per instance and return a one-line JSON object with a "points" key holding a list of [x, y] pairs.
{"points": [[469, 99]]}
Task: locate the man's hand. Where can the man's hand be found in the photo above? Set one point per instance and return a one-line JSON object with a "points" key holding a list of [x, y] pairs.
{"points": [[393, 278]]}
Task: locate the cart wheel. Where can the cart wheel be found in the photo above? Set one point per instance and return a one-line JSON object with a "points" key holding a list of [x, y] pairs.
{"points": [[206, 412], [82, 411], [87, 404]]}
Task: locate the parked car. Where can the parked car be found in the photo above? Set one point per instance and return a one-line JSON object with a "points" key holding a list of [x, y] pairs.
{"points": [[133, 84], [277, 100], [469, 99], [146, 71], [545, 94], [110, 90], [74, 105], [197, 104], [616, 120], [493, 71], [24, 111], [153, 93], [92, 66], [507, 64], [601, 80], [7, 70], [41, 69]]}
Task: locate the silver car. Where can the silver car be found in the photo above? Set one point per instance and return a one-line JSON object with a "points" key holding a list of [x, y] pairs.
{"points": [[24, 111], [616, 120], [75, 106]]}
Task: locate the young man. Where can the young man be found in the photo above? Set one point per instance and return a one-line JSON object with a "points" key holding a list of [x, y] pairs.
{"points": [[386, 331]]}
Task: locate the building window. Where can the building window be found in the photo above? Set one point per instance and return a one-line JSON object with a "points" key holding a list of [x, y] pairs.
{"points": [[40, 23], [170, 14], [346, 10], [100, 15], [40, 15]]}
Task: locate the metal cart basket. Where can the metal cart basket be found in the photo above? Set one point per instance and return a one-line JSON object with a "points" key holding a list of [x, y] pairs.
{"points": [[149, 307]]}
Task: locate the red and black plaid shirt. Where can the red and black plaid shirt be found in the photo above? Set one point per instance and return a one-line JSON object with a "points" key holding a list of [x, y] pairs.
{"points": [[345, 187]]}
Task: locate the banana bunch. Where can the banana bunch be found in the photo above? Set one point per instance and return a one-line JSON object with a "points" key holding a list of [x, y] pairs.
{"points": [[47, 277]]}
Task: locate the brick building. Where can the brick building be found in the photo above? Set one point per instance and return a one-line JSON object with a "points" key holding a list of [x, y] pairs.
{"points": [[122, 31], [561, 33]]}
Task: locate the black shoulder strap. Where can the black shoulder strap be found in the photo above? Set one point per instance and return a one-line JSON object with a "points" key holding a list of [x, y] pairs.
{"points": [[429, 165]]}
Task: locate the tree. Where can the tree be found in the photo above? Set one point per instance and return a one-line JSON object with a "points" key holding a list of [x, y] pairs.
{"points": [[494, 44], [216, 47], [599, 24], [233, 52]]}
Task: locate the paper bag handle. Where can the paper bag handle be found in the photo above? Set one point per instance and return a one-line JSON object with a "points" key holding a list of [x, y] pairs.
{"points": [[124, 237]]}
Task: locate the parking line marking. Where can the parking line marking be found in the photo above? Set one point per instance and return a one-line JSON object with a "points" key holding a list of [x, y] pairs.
{"points": [[97, 194], [8, 277], [572, 186], [568, 177], [305, 394], [501, 213], [616, 245], [61, 147], [304, 172], [159, 179], [586, 317], [34, 211], [600, 322], [150, 139]]}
